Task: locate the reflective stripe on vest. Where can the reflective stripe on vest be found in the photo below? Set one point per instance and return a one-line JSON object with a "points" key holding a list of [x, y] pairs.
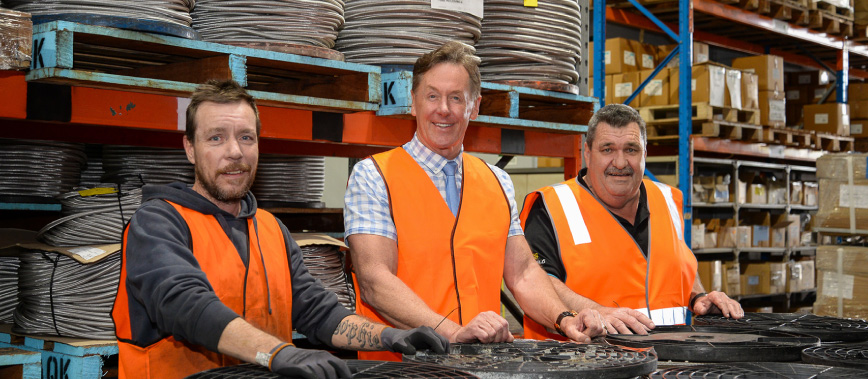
{"points": [[574, 215], [220, 261], [673, 210], [666, 316], [430, 237]]}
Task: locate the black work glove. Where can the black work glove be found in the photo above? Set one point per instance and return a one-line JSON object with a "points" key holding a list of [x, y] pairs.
{"points": [[291, 361], [408, 341]]}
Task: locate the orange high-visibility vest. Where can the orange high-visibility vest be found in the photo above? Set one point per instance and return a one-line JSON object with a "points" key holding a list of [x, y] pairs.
{"points": [[436, 250], [604, 263], [169, 358]]}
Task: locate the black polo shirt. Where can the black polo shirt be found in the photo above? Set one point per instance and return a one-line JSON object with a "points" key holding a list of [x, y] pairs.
{"points": [[539, 232]]}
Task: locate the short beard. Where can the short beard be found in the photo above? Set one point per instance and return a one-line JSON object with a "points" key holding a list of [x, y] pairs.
{"points": [[221, 195]]}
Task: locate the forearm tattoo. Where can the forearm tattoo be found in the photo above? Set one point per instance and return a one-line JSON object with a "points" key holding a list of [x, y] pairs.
{"points": [[359, 335]]}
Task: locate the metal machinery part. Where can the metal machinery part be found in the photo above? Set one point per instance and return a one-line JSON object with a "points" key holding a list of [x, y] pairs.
{"points": [[827, 329], [304, 22], [360, 370], [758, 370], [137, 166], [397, 32], [62, 297], [550, 359], [37, 171], [844, 355], [541, 43], [719, 344], [288, 181]]}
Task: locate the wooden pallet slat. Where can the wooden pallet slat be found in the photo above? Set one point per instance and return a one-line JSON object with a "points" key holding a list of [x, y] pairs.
{"points": [[788, 137], [19, 364], [62, 357], [108, 58], [833, 143]]}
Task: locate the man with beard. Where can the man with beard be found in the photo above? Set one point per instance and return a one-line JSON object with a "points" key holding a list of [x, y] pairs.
{"points": [[613, 242], [209, 280]]}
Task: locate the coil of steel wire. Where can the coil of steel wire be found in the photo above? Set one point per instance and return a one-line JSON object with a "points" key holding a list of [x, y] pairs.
{"points": [[92, 219], [91, 175], [286, 179], [41, 169], [540, 43], [60, 296], [8, 287], [326, 263], [400, 31], [304, 22], [138, 166], [172, 11]]}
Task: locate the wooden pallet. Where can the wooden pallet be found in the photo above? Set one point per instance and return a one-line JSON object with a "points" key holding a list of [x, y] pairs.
{"points": [[519, 107], [665, 133], [830, 23], [833, 8], [860, 145], [668, 114], [833, 143], [62, 357], [19, 364], [786, 10], [788, 137], [108, 58]]}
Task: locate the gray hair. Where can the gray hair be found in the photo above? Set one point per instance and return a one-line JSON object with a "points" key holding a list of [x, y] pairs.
{"points": [[617, 116]]}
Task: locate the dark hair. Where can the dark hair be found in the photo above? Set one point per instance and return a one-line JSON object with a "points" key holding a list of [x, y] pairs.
{"points": [[617, 116], [451, 52], [220, 92]]}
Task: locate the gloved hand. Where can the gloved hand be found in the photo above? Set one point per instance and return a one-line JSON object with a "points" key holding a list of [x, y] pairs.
{"points": [[407, 341], [291, 361]]}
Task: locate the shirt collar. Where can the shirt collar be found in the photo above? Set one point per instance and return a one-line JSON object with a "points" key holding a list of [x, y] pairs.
{"points": [[422, 154], [642, 212]]}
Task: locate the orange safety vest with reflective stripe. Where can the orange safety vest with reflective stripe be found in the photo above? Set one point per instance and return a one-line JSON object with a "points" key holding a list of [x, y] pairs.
{"points": [[454, 264], [217, 257], [604, 263]]}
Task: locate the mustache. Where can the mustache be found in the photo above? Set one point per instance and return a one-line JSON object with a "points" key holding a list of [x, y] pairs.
{"points": [[624, 171], [243, 167]]}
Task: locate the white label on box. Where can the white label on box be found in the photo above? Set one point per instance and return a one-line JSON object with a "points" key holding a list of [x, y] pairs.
{"points": [[805, 79], [777, 110], [794, 94], [648, 61], [629, 58], [821, 118], [607, 57], [752, 280], [693, 85], [87, 253], [856, 129], [623, 89], [835, 285], [853, 196], [700, 58], [780, 26], [473, 7], [654, 88]]}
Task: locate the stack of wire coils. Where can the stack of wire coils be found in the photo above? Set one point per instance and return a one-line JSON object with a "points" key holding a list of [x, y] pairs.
{"points": [[541, 43], [94, 216], [60, 296], [8, 288], [397, 32], [326, 262], [283, 180], [303, 22], [137, 166], [169, 11], [91, 175], [34, 170]]}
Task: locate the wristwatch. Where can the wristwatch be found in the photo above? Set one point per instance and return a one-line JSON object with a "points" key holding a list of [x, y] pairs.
{"points": [[570, 313]]}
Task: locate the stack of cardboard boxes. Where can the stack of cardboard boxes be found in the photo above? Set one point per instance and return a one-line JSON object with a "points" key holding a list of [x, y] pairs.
{"points": [[858, 101], [770, 99]]}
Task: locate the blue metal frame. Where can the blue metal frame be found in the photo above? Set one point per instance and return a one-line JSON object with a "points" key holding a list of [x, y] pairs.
{"points": [[842, 83], [600, 51]]}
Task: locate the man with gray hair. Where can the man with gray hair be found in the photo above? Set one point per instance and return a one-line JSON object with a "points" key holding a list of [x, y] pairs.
{"points": [[614, 242]]}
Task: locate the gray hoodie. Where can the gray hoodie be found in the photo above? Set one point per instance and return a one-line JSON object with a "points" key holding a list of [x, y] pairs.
{"points": [[169, 295]]}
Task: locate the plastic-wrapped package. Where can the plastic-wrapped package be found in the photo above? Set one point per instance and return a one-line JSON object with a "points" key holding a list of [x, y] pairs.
{"points": [[16, 39], [843, 194], [842, 281]]}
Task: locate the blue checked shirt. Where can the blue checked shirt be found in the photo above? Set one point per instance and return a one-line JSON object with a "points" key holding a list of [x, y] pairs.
{"points": [[366, 203]]}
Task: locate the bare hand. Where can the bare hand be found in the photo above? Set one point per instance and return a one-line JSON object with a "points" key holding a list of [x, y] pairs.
{"points": [[626, 321], [717, 302], [486, 327], [587, 324]]}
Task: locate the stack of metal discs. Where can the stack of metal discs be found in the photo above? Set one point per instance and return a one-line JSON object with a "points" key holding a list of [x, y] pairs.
{"points": [[8, 287], [93, 216], [541, 43], [326, 263], [137, 166], [283, 180], [397, 32], [168, 11], [39, 170]]}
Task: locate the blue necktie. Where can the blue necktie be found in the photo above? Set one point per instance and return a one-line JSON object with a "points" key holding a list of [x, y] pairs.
{"points": [[451, 189]]}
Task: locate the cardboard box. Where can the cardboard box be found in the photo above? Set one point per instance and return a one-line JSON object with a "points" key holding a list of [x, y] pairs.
{"points": [[801, 276], [697, 238], [711, 275], [773, 109], [830, 118], [857, 91], [842, 275], [769, 69], [813, 78], [812, 193], [732, 278], [764, 278], [858, 128], [646, 55], [619, 56], [797, 194], [778, 277], [700, 54], [708, 84], [610, 89], [858, 109], [757, 194], [656, 92], [732, 236], [625, 84], [837, 197], [732, 92], [749, 91], [794, 231]]}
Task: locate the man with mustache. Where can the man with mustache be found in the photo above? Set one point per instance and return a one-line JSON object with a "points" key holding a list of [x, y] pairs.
{"points": [[209, 280], [613, 242]]}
